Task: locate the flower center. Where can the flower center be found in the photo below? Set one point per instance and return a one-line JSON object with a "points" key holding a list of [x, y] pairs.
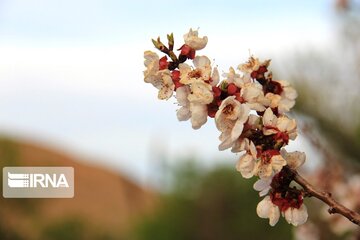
{"points": [[228, 109], [195, 74]]}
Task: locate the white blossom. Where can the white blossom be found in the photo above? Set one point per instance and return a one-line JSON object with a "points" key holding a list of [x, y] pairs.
{"points": [[198, 115], [161, 79], [283, 124], [166, 85], [253, 94], [230, 119], [266, 209], [202, 71], [194, 41], [265, 168], [286, 100], [182, 93], [293, 159], [246, 163], [288, 97], [201, 93], [151, 74], [263, 186], [296, 216]]}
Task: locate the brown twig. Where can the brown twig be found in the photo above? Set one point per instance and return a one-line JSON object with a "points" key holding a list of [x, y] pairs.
{"points": [[334, 206]]}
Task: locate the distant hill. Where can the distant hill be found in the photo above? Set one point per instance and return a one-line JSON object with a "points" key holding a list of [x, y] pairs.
{"points": [[104, 206]]}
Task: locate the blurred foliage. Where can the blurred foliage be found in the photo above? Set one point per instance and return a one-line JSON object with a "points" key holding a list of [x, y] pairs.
{"points": [[209, 206], [8, 234], [328, 82], [9, 152], [69, 228]]}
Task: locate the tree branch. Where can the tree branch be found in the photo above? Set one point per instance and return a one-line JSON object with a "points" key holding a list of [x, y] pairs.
{"points": [[326, 197]]}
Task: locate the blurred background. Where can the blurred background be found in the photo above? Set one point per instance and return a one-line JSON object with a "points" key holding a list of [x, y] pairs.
{"points": [[72, 94]]}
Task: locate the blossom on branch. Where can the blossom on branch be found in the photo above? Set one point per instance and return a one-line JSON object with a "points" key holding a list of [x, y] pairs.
{"points": [[249, 109], [194, 41]]}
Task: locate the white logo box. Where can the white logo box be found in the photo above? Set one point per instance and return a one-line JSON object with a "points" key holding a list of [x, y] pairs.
{"points": [[38, 182]]}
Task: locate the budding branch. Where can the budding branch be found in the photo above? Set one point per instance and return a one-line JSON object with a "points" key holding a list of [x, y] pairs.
{"points": [[326, 197]]}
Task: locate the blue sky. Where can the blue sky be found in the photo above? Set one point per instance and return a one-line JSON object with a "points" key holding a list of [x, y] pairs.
{"points": [[71, 71]]}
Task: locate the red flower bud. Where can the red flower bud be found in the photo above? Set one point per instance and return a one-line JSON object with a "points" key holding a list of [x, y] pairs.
{"points": [[232, 89], [239, 98], [187, 51], [163, 63], [217, 91], [175, 75]]}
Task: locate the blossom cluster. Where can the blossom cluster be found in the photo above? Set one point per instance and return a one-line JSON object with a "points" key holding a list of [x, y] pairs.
{"points": [[249, 108]]}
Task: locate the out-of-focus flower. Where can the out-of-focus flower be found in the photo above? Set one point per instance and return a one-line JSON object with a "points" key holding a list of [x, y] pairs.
{"points": [[306, 231], [266, 209], [193, 40]]}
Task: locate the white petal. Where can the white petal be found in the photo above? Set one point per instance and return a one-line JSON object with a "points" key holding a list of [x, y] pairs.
{"points": [[274, 215], [182, 94], [270, 131], [191, 38], [300, 215], [290, 93], [294, 159], [150, 57], [237, 130], [266, 209], [226, 143], [263, 170], [215, 77], [277, 162], [263, 186], [183, 114], [198, 115], [269, 119], [167, 86], [285, 105], [263, 207], [252, 149], [246, 165], [239, 145], [201, 92], [284, 124], [296, 216], [288, 215], [257, 106], [201, 61], [244, 112]]}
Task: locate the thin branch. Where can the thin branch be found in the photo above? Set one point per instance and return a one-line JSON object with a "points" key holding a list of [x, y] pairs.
{"points": [[335, 207]]}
